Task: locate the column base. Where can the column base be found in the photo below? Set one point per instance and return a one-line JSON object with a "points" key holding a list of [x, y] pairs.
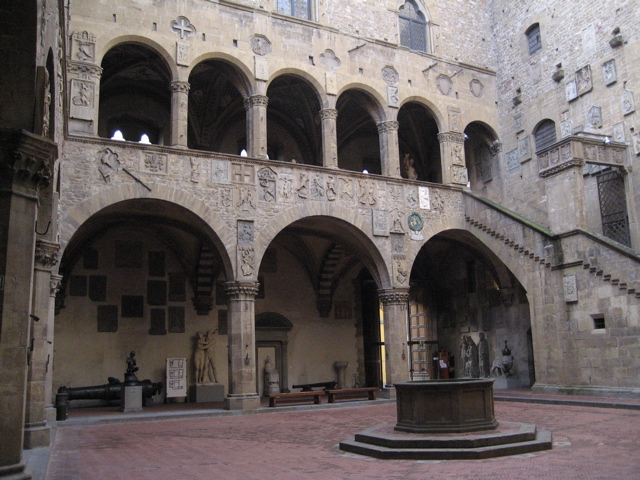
{"points": [[37, 435], [242, 402], [15, 472], [388, 392]]}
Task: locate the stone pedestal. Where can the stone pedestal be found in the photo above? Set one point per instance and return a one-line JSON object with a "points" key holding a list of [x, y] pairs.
{"points": [[502, 383], [131, 398], [341, 368], [207, 393], [242, 402]]}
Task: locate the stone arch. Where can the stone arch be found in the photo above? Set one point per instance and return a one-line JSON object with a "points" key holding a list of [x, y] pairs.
{"points": [[482, 157], [108, 44], [215, 228], [245, 73], [352, 234], [433, 109], [314, 82], [418, 143], [376, 108]]}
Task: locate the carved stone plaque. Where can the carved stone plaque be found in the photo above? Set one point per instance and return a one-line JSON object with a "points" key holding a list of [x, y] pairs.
{"points": [[524, 149], [82, 99], [261, 66], [618, 132], [380, 220], [260, 45], [390, 75], [512, 160], [519, 123], [454, 119], [584, 82], [609, 72], [565, 127], [83, 47], [570, 288], [476, 87], [571, 90], [392, 96], [245, 232], [153, 162], [628, 102], [182, 53], [444, 84], [595, 117], [267, 181], [220, 171], [423, 194]]}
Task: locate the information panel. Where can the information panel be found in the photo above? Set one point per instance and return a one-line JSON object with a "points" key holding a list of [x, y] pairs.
{"points": [[176, 377]]}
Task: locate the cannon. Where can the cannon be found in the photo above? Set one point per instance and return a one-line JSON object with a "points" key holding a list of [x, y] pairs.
{"points": [[307, 387], [110, 392]]}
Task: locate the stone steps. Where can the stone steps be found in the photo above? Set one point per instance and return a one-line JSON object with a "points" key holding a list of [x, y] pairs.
{"points": [[488, 444]]}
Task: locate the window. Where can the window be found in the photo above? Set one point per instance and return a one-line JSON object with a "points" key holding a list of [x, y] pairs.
{"points": [[413, 27], [545, 134], [295, 8], [598, 322], [533, 38]]}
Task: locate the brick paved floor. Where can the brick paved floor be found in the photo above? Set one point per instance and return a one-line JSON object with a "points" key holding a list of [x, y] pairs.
{"points": [[590, 443]]}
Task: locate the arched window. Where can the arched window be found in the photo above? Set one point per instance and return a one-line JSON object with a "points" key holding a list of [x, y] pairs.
{"points": [[533, 38], [413, 27], [545, 134], [295, 8]]}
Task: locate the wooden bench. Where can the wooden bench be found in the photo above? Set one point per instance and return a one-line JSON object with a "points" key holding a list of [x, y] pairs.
{"points": [[274, 397], [352, 393]]}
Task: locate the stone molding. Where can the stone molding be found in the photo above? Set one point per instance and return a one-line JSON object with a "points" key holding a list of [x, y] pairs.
{"points": [[77, 68], [388, 126], [46, 254], [451, 137], [179, 86], [256, 100]]}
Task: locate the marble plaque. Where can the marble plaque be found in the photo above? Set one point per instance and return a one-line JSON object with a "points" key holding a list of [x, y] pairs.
{"points": [[423, 194], [380, 219], [618, 132], [571, 90], [107, 318], [609, 72], [524, 149], [584, 82], [156, 292], [628, 102], [512, 160], [176, 319], [570, 288]]}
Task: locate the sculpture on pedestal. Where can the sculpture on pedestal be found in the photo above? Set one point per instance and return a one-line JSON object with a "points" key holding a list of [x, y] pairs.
{"points": [[483, 356], [271, 378], [472, 359], [130, 375], [204, 356], [503, 366]]}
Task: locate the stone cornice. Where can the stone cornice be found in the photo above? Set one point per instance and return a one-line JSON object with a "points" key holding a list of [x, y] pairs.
{"points": [[451, 137]]}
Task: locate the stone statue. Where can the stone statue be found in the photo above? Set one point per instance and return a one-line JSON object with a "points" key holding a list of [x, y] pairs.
{"points": [[271, 378], [410, 170], [483, 356], [463, 357], [472, 359], [130, 374], [503, 366], [204, 357]]}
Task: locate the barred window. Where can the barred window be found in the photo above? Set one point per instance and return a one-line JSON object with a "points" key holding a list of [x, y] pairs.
{"points": [[533, 38], [545, 134], [413, 27], [295, 8]]}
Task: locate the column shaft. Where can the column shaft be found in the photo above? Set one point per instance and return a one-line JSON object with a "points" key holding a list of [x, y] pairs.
{"points": [[389, 150], [256, 107], [179, 113], [329, 137], [395, 304]]}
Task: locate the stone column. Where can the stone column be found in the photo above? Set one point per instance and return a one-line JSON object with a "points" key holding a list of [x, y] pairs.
{"points": [[256, 107], [37, 433], [179, 113], [243, 393], [395, 304], [329, 137], [454, 170], [389, 150], [26, 162]]}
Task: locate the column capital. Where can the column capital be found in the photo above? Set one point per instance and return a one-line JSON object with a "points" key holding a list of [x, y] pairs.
{"points": [[46, 254], [394, 296], [451, 137], [255, 100], [388, 126], [179, 86], [328, 114], [239, 290], [29, 160], [54, 285]]}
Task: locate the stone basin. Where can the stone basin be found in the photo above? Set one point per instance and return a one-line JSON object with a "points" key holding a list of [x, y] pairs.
{"points": [[445, 406]]}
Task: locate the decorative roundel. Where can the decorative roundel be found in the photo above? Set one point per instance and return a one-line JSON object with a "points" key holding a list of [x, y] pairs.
{"points": [[415, 222]]}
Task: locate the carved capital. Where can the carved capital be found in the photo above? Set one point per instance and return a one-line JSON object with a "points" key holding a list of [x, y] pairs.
{"points": [[55, 283], [451, 137], [388, 127], [256, 100], [329, 114], [46, 254], [393, 297], [496, 147], [179, 86], [83, 68], [26, 159], [241, 290]]}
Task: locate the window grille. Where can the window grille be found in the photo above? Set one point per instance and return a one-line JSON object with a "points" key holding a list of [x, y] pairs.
{"points": [[413, 27], [295, 8], [545, 135], [533, 39]]}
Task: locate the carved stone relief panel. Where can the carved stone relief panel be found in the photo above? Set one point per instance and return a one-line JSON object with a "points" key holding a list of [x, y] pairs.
{"points": [[476, 87], [423, 194], [513, 161], [246, 199], [628, 102], [261, 67], [571, 90], [346, 188], [400, 270], [444, 84], [397, 221], [636, 143], [519, 123], [331, 82], [390, 75], [267, 181], [225, 197], [260, 45], [245, 232], [397, 242], [594, 117], [329, 60], [243, 173], [584, 82], [302, 187], [285, 187], [83, 47], [524, 149], [182, 27], [195, 169], [411, 196], [109, 164], [220, 171], [392, 96], [317, 188], [566, 126], [182, 53], [454, 119], [332, 192], [609, 72], [82, 99], [246, 260], [570, 288], [380, 220], [153, 162], [618, 132], [367, 193], [459, 175]]}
